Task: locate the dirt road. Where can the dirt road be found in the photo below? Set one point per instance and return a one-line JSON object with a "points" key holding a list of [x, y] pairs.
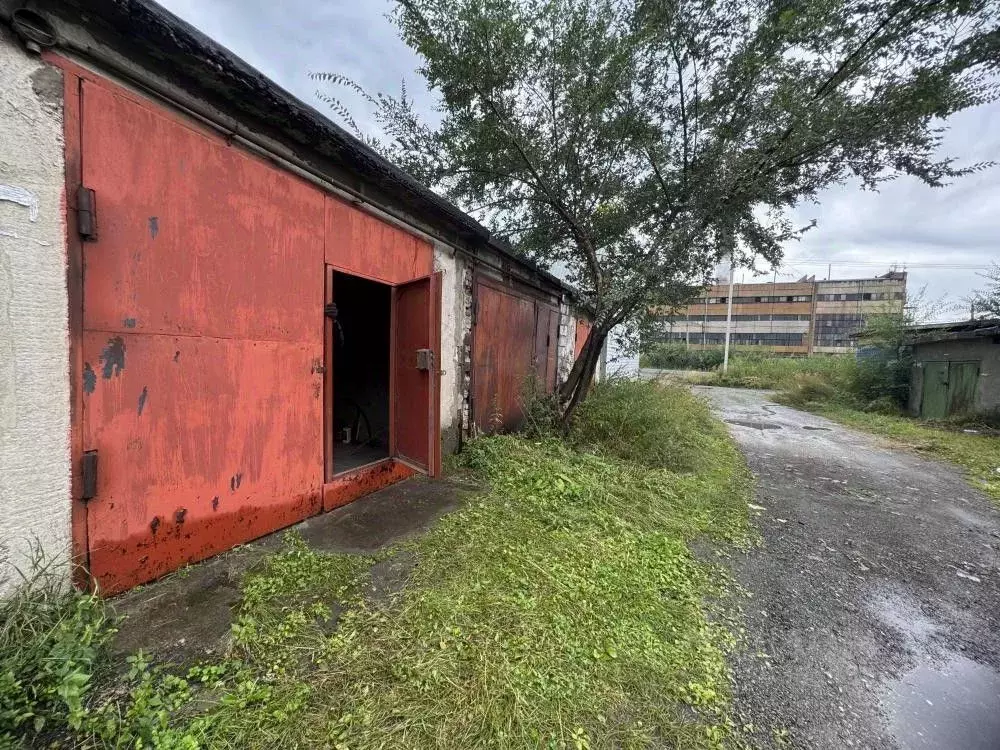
{"points": [[874, 620]]}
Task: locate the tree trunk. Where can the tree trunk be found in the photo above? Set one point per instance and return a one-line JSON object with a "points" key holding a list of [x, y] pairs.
{"points": [[575, 389]]}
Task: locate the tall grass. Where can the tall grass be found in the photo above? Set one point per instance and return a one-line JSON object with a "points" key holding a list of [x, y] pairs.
{"points": [[562, 607], [656, 425], [672, 356], [780, 373], [51, 639]]}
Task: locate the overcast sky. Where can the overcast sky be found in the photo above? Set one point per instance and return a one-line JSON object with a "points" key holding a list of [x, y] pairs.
{"points": [[943, 237]]}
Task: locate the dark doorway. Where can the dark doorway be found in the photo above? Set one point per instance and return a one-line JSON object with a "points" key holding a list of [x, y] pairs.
{"points": [[361, 347]]}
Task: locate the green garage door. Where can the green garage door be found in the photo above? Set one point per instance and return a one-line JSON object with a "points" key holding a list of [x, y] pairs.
{"points": [[948, 388]]}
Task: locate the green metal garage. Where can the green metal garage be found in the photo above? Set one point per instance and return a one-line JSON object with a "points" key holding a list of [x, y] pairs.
{"points": [[955, 369]]}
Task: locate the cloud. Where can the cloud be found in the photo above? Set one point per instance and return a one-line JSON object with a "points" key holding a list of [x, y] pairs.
{"points": [[905, 224]]}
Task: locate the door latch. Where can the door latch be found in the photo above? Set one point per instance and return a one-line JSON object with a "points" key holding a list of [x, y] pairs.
{"points": [[425, 359]]}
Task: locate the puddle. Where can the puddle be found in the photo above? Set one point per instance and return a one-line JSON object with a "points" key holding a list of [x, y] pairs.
{"points": [[755, 425], [904, 616], [951, 702], [956, 705], [815, 429]]}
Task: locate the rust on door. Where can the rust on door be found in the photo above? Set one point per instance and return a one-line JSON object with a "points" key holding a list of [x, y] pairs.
{"points": [[416, 358], [502, 357], [546, 345], [202, 341]]}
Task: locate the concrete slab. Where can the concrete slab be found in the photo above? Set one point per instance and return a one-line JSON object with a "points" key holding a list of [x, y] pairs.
{"points": [[187, 616]]}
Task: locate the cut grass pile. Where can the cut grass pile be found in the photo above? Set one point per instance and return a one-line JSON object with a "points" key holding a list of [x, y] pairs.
{"points": [[561, 608], [977, 453]]}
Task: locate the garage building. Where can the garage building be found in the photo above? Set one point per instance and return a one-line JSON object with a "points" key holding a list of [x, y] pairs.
{"points": [[220, 313]]}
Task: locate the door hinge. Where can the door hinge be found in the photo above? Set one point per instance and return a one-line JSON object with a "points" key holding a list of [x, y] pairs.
{"points": [[89, 472], [86, 213]]}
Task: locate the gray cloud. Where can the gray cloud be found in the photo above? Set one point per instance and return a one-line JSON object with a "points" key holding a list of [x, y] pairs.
{"points": [[905, 223]]}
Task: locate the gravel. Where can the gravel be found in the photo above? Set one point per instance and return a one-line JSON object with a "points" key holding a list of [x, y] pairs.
{"points": [[873, 608]]}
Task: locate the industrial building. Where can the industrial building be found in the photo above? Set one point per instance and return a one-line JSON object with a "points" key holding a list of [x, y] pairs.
{"points": [[800, 318], [219, 312]]}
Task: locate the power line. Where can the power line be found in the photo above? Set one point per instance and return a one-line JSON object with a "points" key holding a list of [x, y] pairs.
{"points": [[884, 264]]}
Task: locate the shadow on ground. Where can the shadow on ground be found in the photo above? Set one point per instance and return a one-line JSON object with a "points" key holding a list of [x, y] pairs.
{"points": [[187, 616]]}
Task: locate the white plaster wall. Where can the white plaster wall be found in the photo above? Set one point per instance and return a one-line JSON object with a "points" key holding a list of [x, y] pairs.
{"points": [[455, 324], [34, 355], [567, 342]]}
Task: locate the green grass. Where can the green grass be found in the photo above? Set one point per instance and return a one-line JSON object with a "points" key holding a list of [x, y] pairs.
{"points": [[780, 373], [978, 454], [50, 640], [561, 608]]}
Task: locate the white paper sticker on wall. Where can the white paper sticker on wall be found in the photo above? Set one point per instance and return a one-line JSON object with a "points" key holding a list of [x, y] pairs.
{"points": [[22, 197]]}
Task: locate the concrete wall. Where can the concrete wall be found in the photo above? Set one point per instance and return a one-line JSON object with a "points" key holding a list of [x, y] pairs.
{"points": [[456, 324], [34, 354], [981, 350], [567, 343]]}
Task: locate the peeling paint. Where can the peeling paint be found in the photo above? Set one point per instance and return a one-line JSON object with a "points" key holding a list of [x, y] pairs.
{"points": [[179, 515], [154, 524], [142, 399], [154, 226], [89, 378], [215, 503], [113, 357], [129, 322], [177, 356]]}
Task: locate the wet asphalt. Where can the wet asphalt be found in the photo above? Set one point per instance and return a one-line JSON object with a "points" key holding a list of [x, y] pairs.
{"points": [[873, 606]]}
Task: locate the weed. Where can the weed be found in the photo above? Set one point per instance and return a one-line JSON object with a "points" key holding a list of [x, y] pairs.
{"points": [[651, 424], [50, 640], [681, 357], [777, 373], [562, 608]]}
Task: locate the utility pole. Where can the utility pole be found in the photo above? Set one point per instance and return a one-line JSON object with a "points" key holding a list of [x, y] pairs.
{"points": [[729, 312], [704, 322]]}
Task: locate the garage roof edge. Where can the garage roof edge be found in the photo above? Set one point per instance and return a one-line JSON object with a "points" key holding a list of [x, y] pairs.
{"points": [[148, 34]]}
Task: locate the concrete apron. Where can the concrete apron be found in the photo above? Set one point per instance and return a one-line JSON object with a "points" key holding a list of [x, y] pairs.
{"points": [[187, 615]]}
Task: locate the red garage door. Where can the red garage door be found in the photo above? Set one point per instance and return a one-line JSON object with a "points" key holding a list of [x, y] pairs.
{"points": [[202, 342], [515, 337]]}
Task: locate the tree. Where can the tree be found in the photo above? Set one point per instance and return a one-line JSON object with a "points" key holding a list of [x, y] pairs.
{"points": [[633, 144], [985, 302], [887, 338]]}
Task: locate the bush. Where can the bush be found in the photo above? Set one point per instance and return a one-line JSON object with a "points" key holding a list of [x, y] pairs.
{"points": [[656, 425], [810, 388], [680, 357], [782, 373], [50, 639], [880, 378]]}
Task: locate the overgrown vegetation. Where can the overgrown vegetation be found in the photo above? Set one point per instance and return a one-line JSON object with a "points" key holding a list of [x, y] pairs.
{"points": [[560, 608], [673, 356], [783, 373], [50, 638]]}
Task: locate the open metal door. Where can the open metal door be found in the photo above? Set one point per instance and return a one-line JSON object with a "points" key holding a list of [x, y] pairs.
{"points": [[415, 381]]}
